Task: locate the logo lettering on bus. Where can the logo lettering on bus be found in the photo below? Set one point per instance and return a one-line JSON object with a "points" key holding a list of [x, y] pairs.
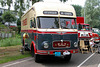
{"points": [[25, 22], [61, 44]]}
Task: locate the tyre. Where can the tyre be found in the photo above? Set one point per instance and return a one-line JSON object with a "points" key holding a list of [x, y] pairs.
{"points": [[37, 58], [67, 57], [32, 51]]}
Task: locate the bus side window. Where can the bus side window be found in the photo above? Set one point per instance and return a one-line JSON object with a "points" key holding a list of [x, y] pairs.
{"points": [[32, 23]]}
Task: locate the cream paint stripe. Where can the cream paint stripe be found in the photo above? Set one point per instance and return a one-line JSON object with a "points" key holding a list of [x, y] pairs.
{"points": [[85, 60], [17, 62]]}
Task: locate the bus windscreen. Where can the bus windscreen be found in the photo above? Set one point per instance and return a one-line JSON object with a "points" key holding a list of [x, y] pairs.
{"points": [[56, 23]]}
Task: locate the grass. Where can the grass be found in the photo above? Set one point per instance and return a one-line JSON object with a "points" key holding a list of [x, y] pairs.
{"points": [[10, 42], [2, 26], [11, 53], [10, 49], [13, 57]]}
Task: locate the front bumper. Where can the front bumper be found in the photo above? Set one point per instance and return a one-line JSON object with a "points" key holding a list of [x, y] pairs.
{"points": [[97, 41], [52, 52]]}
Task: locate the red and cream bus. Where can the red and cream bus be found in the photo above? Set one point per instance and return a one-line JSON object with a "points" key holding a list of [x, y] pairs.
{"points": [[50, 29]]}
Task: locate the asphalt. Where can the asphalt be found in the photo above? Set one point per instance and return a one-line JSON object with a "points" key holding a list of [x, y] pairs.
{"points": [[77, 60]]}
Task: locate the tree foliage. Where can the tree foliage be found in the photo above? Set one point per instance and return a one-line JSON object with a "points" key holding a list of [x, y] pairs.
{"points": [[63, 0], [8, 17], [6, 2], [77, 9], [19, 7], [28, 4], [3, 3], [0, 19], [92, 14], [34, 1]]}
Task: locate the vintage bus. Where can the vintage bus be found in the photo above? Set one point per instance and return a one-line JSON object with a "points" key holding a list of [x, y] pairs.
{"points": [[50, 29]]}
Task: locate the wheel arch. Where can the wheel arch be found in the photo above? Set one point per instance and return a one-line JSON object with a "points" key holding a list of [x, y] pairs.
{"points": [[34, 46]]}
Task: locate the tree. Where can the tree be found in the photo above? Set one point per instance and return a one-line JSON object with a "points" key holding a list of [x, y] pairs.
{"points": [[9, 2], [19, 7], [3, 3], [8, 17], [63, 0], [6, 2], [19, 25], [77, 9], [34, 1], [0, 19], [92, 15], [28, 4]]}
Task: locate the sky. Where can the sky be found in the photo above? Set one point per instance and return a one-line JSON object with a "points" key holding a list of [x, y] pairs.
{"points": [[75, 2]]}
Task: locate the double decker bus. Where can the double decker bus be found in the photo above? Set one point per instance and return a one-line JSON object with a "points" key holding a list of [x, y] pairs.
{"points": [[50, 29]]}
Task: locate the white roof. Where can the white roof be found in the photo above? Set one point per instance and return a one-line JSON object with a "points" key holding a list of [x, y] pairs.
{"points": [[39, 7]]}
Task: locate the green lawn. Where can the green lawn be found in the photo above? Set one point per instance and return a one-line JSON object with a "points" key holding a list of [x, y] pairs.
{"points": [[13, 57], [11, 53], [13, 41]]}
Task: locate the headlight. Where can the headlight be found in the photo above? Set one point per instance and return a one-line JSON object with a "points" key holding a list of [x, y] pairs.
{"points": [[45, 45], [75, 44]]}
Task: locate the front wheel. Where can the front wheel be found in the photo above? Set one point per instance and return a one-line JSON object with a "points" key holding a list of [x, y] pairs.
{"points": [[37, 58], [67, 57], [32, 51]]}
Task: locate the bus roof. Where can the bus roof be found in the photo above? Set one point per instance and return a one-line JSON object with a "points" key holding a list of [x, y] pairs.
{"points": [[41, 7]]}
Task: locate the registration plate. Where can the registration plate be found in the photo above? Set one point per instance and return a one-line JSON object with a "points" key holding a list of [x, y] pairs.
{"points": [[57, 53]]}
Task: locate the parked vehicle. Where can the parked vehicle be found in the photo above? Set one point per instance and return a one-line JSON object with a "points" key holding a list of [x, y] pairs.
{"points": [[96, 30], [96, 38], [84, 31], [50, 29]]}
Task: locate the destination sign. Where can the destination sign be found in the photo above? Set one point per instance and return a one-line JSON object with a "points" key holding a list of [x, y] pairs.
{"points": [[50, 12], [66, 13]]}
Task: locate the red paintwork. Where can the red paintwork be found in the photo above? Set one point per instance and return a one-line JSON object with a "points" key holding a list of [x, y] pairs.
{"points": [[95, 35], [33, 44], [13, 26], [35, 31], [51, 52], [64, 44], [80, 20], [35, 37], [25, 22]]}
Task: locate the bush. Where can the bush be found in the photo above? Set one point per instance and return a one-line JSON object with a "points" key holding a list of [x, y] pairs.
{"points": [[2, 26], [19, 29], [10, 42], [1, 19], [8, 17]]}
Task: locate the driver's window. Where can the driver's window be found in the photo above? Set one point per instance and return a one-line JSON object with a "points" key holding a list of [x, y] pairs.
{"points": [[32, 23]]}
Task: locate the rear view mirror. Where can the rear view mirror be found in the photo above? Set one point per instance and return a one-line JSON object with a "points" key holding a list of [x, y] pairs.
{"points": [[32, 23]]}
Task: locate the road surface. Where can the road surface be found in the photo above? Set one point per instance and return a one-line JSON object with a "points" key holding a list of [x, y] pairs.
{"points": [[77, 60]]}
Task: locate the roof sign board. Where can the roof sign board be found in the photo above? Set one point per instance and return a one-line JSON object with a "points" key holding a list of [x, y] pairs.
{"points": [[66, 13], [50, 12]]}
